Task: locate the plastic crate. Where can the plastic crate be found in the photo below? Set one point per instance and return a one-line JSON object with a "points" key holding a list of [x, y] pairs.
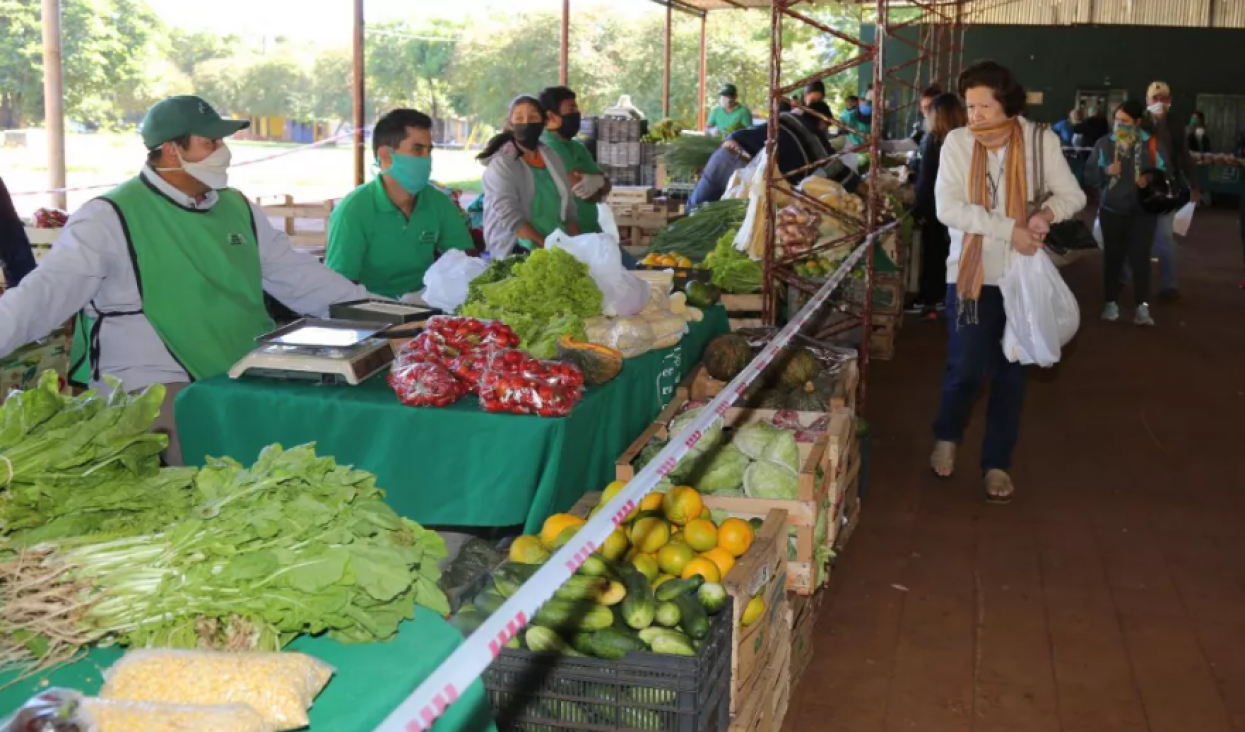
{"points": [[540, 692]]}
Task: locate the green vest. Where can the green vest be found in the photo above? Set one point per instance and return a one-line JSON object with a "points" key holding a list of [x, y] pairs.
{"points": [[546, 213], [198, 272]]}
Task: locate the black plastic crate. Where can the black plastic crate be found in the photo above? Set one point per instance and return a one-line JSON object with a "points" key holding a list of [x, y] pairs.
{"points": [[622, 175], [543, 692]]}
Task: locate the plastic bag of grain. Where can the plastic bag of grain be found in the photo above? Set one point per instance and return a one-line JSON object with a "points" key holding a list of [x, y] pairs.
{"points": [[110, 715], [280, 686]]}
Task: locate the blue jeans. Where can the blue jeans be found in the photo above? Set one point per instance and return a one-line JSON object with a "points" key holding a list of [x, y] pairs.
{"points": [[975, 353], [1165, 250]]}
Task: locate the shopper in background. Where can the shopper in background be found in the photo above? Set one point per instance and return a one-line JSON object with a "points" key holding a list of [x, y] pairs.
{"points": [[527, 193], [729, 115], [1116, 167], [1173, 145], [16, 257], [983, 192], [857, 120], [945, 114], [1198, 138], [1066, 127], [814, 91], [588, 183], [1093, 128], [919, 127]]}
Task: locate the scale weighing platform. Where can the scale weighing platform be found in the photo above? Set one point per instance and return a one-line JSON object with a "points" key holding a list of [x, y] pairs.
{"points": [[322, 351]]}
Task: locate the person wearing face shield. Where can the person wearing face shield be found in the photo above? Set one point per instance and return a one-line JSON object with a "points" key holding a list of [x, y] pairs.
{"points": [[1174, 146], [588, 183], [169, 270], [387, 233]]}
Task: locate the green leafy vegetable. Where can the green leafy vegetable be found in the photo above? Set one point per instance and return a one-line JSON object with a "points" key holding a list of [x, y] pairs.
{"points": [[764, 479], [733, 271], [695, 235]]}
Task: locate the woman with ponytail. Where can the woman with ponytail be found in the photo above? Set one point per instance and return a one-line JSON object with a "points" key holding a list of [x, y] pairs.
{"points": [[985, 194], [527, 194]]}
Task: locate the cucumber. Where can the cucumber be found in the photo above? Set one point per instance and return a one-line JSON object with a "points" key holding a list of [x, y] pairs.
{"points": [[674, 644], [638, 607], [695, 621], [712, 597], [509, 576], [674, 588], [594, 566], [488, 600], [668, 614], [569, 615], [609, 643], [547, 640], [579, 587]]}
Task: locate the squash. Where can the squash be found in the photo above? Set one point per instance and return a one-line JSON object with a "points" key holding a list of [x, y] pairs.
{"points": [[598, 363], [806, 399], [799, 367], [726, 356]]}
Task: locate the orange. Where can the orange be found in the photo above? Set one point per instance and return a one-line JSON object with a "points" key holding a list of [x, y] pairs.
{"points": [[652, 502], [678, 538], [647, 566], [722, 558], [701, 534], [703, 567], [612, 490], [735, 536], [650, 534], [682, 504], [555, 525], [672, 558], [705, 513], [615, 545], [528, 550]]}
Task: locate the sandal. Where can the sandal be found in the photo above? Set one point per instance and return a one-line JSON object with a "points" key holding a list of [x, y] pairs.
{"points": [[999, 488], [942, 461]]}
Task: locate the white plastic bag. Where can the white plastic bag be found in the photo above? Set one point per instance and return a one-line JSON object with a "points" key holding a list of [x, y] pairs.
{"points": [[1098, 232], [1042, 314], [1184, 219], [624, 293], [445, 282]]}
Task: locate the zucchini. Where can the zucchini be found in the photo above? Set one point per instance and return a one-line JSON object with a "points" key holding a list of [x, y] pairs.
{"points": [[638, 607], [609, 643], [569, 615], [547, 640], [674, 588], [694, 621], [488, 600], [579, 587], [509, 576], [668, 614]]}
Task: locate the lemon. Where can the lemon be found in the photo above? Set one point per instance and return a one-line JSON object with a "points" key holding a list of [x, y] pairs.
{"points": [[528, 550], [754, 611]]}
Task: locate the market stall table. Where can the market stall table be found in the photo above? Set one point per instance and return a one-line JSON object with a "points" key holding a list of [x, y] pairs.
{"points": [[371, 679], [456, 466]]}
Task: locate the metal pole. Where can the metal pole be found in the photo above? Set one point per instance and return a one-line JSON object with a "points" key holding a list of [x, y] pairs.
{"points": [[704, 74], [665, 80], [770, 280], [874, 204], [564, 60], [54, 101], [360, 115]]}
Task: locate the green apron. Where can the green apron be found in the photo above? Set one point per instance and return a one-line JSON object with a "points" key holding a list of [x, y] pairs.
{"points": [[198, 272], [575, 158], [546, 213]]}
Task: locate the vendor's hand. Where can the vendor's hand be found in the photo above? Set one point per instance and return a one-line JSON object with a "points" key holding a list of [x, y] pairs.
{"points": [[588, 185], [1039, 227], [734, 147], [1024, 242]]}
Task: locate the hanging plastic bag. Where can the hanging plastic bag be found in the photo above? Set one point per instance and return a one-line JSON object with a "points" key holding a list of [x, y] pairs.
{"points": [[1184, 219], [445, 282], [1098, 232], [1042, 314], [624, 293]]}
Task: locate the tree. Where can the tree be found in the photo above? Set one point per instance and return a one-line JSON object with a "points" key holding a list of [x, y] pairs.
{"points": [[331, 80], [408, 65], [188, 49]]}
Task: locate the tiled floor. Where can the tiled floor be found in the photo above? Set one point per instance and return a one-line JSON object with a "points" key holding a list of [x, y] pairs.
{"points": [[1110, 596]]}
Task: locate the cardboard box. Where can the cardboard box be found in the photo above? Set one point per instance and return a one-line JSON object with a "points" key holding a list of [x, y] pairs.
{"points": [[22, 368]]}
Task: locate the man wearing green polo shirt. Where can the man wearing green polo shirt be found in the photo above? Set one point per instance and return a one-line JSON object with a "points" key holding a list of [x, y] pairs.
{"points": [[387, 233], [729, 115], [588, 184]]}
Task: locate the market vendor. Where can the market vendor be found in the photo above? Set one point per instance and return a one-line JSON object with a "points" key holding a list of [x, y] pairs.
{"points": [[16, 257], [588, 183], [527, 191], [387, 233], [857, 119], [171, 267], [729, 115]]}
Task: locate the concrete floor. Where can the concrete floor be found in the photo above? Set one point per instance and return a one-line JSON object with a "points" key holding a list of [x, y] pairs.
{"points": [[1110, 595]]}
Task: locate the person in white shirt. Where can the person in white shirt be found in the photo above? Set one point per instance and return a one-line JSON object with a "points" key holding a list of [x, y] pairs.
{"points": [[170, 268], [984, 194]]}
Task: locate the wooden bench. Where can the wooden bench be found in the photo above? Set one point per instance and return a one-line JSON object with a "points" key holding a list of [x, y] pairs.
{"points": [[284, 207]]}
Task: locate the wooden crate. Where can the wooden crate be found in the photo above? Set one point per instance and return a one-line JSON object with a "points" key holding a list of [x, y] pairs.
{"points": [[283, 207], [888, 293], [744, 311], [630, 195], [700, 386], [761, 570], [885, 331], [849, 515], [802, 619], [765, 706], [821, 472]]}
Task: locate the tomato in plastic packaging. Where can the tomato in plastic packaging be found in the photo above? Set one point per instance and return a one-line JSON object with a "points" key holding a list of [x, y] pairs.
{"points": [[425, 385]]}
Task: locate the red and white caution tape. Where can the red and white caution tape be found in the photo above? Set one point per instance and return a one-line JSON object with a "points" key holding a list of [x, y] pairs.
{"points": [[469, 661]]}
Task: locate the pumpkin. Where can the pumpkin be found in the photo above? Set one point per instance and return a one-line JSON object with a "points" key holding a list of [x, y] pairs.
{"points": [[726, 356], [774, 398], [798, 368], [806, 399], [598, 363]]}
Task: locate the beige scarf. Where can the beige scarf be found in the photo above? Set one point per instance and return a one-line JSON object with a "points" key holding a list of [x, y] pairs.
{"points": [[990, 137]]}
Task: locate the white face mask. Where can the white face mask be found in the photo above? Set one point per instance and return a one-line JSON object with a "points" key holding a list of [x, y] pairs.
{"points": [[1157, 109], [212, 171]]}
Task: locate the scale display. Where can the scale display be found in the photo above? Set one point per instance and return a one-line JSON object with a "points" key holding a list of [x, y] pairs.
{"points": [[322, 351]]}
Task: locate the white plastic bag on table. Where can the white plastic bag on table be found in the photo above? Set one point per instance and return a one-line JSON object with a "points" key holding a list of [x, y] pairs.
{"points": [[445, 282], [624, 293], [1184, 219], [1042, 313]]}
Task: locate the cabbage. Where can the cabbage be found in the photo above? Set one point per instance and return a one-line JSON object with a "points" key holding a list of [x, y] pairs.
{"points": [[709, 440], [764, 479], [723, 471], [783, 450], [752, 438]]}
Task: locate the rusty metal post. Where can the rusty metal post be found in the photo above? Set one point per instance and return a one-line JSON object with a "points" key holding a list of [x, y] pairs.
{"points": [[54, 102], [770, 281], [360, 114], [665, 76], [963, 28], [873, 206], [564, 57], [701, 111]]}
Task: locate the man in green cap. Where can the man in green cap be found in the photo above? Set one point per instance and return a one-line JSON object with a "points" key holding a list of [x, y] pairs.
{"points": [[170, 268], [729, 115], [588, 183], [387, 233]]}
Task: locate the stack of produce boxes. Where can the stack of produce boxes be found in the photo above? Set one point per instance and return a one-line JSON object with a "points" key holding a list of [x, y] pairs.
{"points": [[22, 368]]}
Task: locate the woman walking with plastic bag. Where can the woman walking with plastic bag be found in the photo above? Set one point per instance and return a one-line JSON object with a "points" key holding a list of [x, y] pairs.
{"points": [[1117, 167], [983, 193]]}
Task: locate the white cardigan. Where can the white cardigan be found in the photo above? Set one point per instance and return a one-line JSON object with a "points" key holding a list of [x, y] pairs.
{"points": [[951, 196]]}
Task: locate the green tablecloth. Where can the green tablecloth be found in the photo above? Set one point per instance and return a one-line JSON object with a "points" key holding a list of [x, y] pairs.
{"points": [[371, 678], [457, 466]]}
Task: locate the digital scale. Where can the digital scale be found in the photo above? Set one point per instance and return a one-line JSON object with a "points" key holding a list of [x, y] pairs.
{"points": [[321, 351]]}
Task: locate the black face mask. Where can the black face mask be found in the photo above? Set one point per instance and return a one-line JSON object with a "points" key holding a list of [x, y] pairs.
{"points": [[570, 125], [527, 134]]}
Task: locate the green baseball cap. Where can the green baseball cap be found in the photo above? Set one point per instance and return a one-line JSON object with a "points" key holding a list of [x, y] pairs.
{"points": [[185, 115], [728, 90]]}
